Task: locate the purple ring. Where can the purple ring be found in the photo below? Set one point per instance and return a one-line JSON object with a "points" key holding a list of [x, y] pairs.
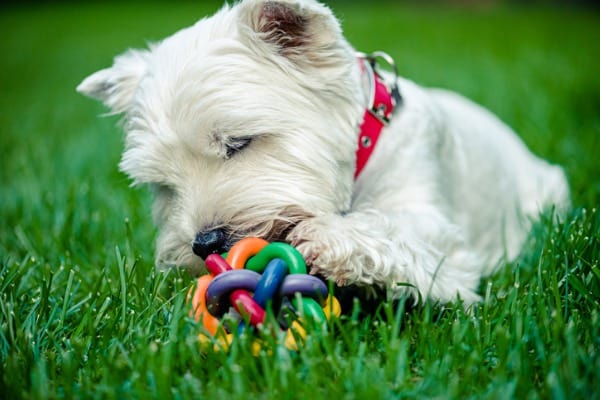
{"points": [[217, 293], [306, 285]]}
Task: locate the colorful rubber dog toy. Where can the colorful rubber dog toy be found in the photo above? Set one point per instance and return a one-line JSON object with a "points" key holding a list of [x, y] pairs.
{"points": [[274, 273]]}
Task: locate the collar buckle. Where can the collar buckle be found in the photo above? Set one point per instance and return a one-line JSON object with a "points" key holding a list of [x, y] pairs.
{"points": [[372, 67]]}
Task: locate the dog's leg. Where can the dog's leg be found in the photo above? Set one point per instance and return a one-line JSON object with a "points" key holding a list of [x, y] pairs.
{"points": [[418, 253]]}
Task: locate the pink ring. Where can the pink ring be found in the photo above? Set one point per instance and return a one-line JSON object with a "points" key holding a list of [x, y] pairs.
{"points": [[216, 264], [247, 307]]}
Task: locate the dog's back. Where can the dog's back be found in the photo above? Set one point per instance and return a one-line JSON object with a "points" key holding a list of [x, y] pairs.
{"points": [[497, 177]]}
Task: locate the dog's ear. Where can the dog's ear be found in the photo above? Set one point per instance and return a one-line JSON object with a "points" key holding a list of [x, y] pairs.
{"points": [[302, 30], [116, 85]]}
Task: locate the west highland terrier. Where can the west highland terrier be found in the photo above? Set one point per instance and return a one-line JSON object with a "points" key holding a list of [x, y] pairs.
{"points": [[262, 120]]}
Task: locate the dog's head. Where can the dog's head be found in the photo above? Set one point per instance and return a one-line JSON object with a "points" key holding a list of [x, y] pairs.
{"points": [[243, 124]]}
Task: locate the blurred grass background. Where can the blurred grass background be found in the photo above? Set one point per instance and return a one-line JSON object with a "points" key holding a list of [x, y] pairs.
{"points": [[71, 228]]}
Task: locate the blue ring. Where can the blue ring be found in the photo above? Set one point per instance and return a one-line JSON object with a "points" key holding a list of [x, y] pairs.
{"points": [[270, 281]]}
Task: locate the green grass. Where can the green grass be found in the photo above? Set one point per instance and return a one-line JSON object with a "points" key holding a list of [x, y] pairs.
{"points": [[84, 314]]}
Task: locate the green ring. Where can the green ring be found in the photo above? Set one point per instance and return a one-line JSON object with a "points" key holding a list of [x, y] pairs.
{"points": [[284, 251], [309, 308]]}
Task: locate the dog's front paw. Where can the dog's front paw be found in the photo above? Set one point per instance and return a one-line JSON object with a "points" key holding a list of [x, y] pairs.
{"points": [[313, 239], [331, 249]]}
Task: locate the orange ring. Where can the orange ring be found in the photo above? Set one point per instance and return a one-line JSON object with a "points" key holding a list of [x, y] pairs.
{"points": [[243, 250], [199, 311]]}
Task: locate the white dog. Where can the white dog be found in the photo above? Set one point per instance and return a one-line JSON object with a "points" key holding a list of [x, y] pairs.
{"points": [[248, 124]]}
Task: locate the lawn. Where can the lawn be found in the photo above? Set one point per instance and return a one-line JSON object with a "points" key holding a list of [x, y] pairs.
{"points": [[83, 313]]}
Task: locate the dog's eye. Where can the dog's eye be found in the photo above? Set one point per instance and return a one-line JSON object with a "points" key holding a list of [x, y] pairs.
{"points": [[236, 145]]}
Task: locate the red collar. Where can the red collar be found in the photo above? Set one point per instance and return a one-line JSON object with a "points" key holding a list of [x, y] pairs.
{"points": [[383, 99]]}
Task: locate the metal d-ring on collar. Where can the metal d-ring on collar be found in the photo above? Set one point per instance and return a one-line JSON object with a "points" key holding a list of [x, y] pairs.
{"points": [[371, 67]]}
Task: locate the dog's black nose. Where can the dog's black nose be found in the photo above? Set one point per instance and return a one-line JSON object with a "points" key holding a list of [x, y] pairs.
{"points": [[209, 242]]}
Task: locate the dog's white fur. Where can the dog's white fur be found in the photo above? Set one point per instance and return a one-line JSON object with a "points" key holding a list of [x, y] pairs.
{"points": [[449, 191]]}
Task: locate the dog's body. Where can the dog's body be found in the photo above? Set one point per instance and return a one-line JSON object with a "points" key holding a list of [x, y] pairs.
{"points": [[246, 124]]}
